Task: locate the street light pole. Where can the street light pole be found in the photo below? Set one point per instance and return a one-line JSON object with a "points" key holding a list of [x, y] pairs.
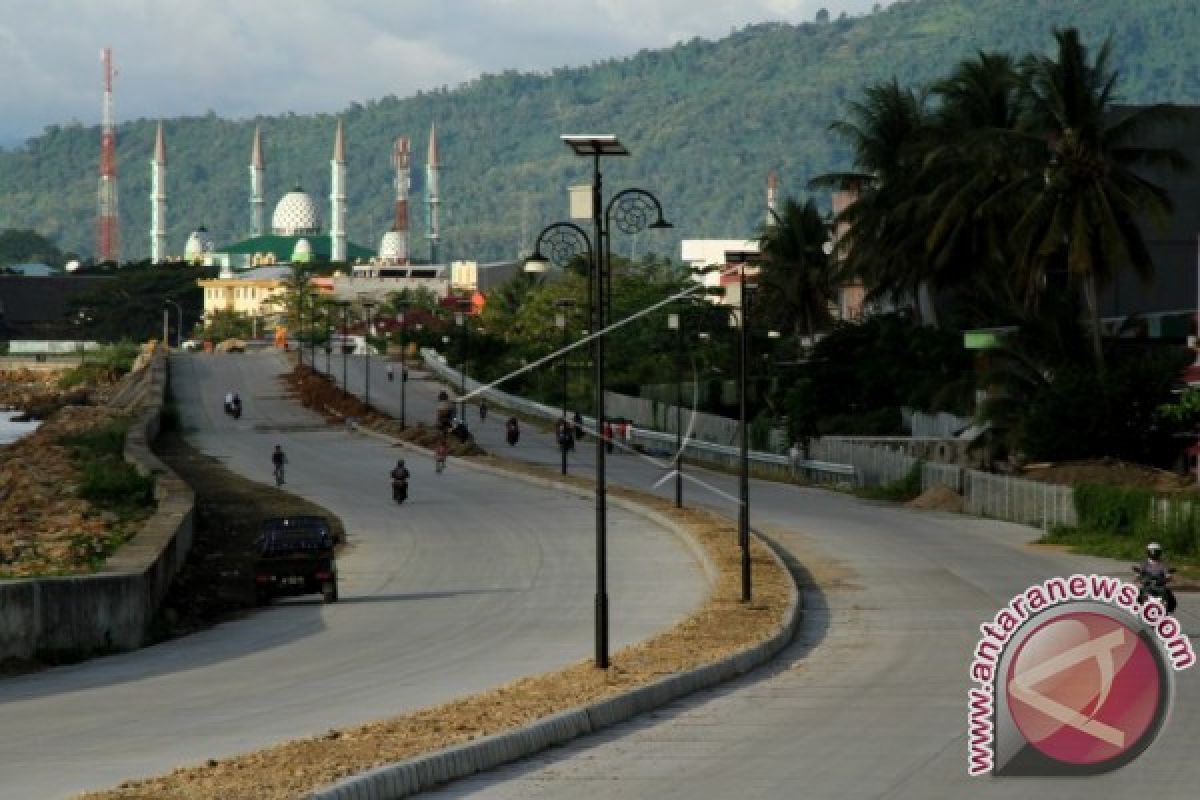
{"points": [[744, 477], [367, 306], [560, 321], [403, 370], [345, 306], [675, 323]]}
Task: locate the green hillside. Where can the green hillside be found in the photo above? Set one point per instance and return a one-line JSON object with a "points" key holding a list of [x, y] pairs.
{"points": [[705, 121]]}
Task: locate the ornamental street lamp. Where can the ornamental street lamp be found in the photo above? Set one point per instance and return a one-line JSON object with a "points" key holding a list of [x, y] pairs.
{"points": [[345, 306], [566, 239], [368, 306], [675, 323], [560, 322], [403, 367]]}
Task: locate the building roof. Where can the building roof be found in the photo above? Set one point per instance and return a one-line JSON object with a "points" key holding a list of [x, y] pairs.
{"points": [[296, 213], [283, 246]]}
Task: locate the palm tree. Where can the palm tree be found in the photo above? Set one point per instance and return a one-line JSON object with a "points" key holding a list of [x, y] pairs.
{"points": [[887, 130], [1087, 201], [798, 284], [972, 170]]}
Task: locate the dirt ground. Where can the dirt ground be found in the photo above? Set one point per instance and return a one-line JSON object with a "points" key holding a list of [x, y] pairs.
{"points": [[293, 769], [1109, 472]]}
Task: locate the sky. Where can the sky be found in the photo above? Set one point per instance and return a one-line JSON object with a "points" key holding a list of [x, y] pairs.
{"points": [[240, 58]]}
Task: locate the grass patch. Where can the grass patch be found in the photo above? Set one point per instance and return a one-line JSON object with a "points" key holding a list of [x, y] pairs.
{"points": [[102, 366], [901, 491], [1107, 544], [107, 480]]}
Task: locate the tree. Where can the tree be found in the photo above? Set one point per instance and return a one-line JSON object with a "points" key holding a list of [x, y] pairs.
{"points": [[887, 131], [1087, 199], [798, 283]]}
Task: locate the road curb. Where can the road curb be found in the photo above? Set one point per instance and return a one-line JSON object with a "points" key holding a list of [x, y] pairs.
{"points": [[424, 772]]}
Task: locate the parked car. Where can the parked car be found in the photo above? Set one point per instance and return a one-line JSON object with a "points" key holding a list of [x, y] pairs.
{"points": [[295, 557]]}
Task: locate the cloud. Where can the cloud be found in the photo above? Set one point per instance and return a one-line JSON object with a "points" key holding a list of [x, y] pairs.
{"points": [[245, 57]]}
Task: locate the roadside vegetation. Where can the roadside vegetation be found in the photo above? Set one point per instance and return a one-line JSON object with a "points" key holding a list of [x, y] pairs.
{"points": [[100, 367]]}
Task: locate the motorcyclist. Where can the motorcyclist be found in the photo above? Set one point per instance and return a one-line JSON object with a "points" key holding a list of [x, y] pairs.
{"points": [[512, 430], [236, 405], [400, 472], [229, 402], [1155, 569]]}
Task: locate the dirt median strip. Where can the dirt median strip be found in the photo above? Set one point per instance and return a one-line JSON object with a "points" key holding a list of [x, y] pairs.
{"points": [[722, 627]]}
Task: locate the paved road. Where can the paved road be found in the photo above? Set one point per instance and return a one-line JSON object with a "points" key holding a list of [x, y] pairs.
{"points": [[475, 581], [869, 702]]}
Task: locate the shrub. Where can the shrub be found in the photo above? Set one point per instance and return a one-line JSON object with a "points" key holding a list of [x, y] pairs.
{"points": [[115, 485], [1113, 509]]}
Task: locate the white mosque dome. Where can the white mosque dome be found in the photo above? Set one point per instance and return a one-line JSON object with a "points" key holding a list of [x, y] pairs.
{"points": [[391, 247], [296, 214], [303, 252], [199, 244]]}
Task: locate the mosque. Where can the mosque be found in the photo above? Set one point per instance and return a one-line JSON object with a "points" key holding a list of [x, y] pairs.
{"points": [[255, 270]]}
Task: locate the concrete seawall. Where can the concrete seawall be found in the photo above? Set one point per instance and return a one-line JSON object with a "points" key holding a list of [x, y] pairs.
{"points": [[109, 610]]}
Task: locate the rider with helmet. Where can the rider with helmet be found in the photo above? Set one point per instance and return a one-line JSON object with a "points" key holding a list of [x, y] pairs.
{"points": [[1156, 573]]}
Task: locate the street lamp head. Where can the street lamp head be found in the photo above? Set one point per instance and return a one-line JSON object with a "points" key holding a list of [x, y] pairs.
{"points": [[536, 263], [594, 144], [661, 224]]}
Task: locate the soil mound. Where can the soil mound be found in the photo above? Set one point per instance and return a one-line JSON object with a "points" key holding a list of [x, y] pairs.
{"points": [[937, 498]]}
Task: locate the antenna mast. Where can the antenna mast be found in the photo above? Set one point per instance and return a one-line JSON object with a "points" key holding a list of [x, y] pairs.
{"points": [[108, 245]]}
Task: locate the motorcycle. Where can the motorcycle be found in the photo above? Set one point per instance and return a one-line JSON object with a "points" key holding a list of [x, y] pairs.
{"points": [[1154, 585], [234, 409], [399, 490]]}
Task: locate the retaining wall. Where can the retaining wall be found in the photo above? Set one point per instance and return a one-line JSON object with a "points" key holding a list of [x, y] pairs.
{"points": [[109, 610]]}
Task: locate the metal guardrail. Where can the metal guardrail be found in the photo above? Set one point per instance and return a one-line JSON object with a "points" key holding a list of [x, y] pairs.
{"points": [[780, 466]]}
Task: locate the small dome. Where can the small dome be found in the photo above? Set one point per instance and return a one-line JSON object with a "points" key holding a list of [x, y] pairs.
{"points": [[199, 244], [296, 214], [391, 247], [303, 252]]}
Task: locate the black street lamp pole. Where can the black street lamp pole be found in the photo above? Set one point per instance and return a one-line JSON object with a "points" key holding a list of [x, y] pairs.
{"points": [[560, 321], [367, 306], [744, 477], [676, 321], [403, 370], [300, 319], [631, 218], [345, 306], [328, 341]]}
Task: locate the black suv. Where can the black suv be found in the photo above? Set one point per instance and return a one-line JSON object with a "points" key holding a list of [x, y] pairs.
{"points": [[295, 556]]}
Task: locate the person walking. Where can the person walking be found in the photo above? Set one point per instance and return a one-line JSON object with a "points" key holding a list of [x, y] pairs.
{"points": [[483, 409], [278, 459], [440, 454]]}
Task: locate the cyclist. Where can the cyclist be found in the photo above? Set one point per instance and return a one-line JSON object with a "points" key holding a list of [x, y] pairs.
{"points": [[278, 459]]}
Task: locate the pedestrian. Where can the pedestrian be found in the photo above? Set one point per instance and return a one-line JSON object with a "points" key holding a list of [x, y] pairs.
{"points": [[440, 454], [483, 409], [391, 376], [578, 420], [608, 434]]}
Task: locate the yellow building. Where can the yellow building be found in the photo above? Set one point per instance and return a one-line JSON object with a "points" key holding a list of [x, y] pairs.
{"points": [[254, 292]]}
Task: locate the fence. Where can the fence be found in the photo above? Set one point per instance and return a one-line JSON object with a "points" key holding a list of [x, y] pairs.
{"points": [[939, 425], [725, 455], [1043, 505], [839, 461]]}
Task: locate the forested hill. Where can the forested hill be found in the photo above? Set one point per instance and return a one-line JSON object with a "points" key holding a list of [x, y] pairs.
{"points": [[705, 122]]}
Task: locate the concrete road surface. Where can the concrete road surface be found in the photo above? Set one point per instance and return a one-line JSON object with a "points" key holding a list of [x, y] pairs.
{"points": [[870, 701], [475, 581]]}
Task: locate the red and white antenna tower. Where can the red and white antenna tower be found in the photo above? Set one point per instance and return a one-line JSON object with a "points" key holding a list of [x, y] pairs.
{"points": [[400, 161], [108, 243]]}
